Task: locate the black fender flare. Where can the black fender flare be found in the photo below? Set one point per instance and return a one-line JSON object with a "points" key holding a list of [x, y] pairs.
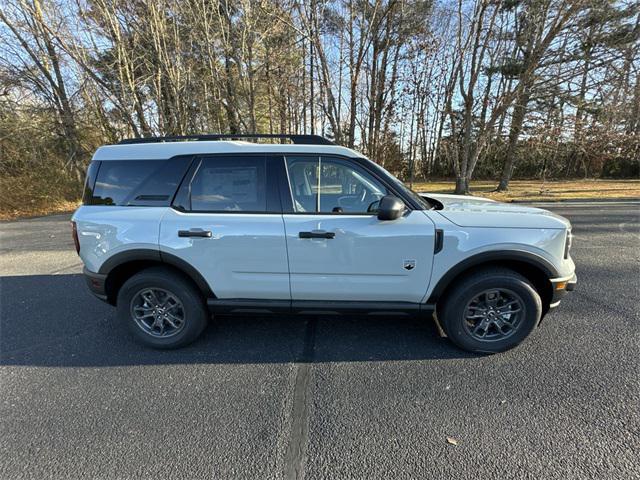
{"points": [[148, 254], [487, 258]]}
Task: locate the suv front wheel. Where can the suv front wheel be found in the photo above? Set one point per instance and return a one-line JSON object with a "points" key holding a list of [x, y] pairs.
{"points": [[490, 311], [161, 308]]}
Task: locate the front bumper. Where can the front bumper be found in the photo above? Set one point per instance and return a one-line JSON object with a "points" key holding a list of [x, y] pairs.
{"points": [[561, 286], [96, 283]]}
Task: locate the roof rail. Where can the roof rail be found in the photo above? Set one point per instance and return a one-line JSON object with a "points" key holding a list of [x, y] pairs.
{"points": [[296, 139]]}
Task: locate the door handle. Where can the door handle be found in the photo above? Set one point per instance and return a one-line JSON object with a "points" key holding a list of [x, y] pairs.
{"points": [[328, 235], [195, 233]]}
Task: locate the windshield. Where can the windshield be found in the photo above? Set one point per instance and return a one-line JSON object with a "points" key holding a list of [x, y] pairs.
{"points": [[398, 185]]}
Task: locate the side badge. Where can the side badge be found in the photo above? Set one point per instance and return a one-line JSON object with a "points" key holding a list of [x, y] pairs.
{"points": [[409, 264]]}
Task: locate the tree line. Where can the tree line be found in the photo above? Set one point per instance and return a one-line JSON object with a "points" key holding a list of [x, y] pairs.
{"points": [[427, 88]]}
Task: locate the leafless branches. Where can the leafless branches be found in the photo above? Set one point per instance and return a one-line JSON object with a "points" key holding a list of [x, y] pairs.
{"points": [[425, 88]]}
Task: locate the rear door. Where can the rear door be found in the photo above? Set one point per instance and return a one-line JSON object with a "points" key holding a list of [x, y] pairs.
{"points": [[226, 221], [338, 249]]}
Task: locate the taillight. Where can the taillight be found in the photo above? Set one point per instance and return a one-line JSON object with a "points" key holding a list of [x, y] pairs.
{"points": [[74, 234]]}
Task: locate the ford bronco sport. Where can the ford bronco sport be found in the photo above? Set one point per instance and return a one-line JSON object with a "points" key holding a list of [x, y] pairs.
{"points": [[172, 229]]}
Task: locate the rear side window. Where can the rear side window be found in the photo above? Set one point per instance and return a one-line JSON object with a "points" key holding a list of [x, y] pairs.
{"points": [[92, 173], [136, 182], [228, 184]]}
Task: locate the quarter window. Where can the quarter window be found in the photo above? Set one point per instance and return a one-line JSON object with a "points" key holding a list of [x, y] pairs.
{"points": [[89, 183], [118, 180], [150, 183], [331, 185]]}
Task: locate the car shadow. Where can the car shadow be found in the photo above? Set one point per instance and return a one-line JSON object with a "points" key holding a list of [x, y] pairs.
{"points": [[53, 321]]}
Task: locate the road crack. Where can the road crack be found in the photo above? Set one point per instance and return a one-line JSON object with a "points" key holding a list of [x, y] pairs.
{"points": [[297, 447]]}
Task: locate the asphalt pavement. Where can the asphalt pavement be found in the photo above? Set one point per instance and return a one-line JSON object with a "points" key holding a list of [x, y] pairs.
{"points": [[318, 397]]}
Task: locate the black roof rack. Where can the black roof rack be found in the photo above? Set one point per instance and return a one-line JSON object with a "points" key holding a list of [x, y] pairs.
{"points": [[296, 139]]}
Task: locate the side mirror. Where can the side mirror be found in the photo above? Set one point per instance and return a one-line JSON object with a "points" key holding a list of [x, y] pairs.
{"points": [[390, 208]]}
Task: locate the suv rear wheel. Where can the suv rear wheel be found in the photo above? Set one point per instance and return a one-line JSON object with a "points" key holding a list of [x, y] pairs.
{"points": [[161, 308], [491, 311]]}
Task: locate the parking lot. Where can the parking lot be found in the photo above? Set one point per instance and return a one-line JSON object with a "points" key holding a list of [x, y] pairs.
{"points": [[318, 397]]}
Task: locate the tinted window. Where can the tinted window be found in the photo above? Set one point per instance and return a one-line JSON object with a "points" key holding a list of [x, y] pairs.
{"points": [[230, 184], [117, 180], [329, 185], [92, 172], [158, 189], [134, 182]]}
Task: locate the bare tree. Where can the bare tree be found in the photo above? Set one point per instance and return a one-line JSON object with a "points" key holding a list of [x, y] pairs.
{"points": [[41, 66]]}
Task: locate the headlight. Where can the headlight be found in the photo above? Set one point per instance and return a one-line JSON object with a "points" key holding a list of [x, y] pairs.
{"points": [[567, 244]]}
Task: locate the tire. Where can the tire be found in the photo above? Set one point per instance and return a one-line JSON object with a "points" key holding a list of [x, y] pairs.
{"points": [[140, 303], [480, 314]]}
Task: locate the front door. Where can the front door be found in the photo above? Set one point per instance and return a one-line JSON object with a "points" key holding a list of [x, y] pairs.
{"points": [[338, 249], [227, 223]]}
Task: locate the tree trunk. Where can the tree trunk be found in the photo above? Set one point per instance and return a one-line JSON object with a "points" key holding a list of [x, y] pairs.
{"points": [[517, 119], [229, 104], [462, 185], [75, 153]]}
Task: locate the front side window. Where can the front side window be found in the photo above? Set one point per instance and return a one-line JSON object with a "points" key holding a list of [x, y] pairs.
{"points": [[398, 185], [228, 184], [332, 185]]}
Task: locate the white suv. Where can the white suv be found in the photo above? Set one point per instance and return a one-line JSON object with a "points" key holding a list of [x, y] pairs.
{"points": [[175, 228]]}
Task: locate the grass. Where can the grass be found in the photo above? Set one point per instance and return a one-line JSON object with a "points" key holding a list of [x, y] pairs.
{"points": [[37, 195], [537, 190], [41, 192], [29, 211]]}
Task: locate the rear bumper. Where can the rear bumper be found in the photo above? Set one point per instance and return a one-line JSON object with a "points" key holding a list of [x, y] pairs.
{"points": [[561, 286], [96, 283]]}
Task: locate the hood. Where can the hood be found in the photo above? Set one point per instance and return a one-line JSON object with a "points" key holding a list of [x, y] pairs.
{"points": [[467, 211]]}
